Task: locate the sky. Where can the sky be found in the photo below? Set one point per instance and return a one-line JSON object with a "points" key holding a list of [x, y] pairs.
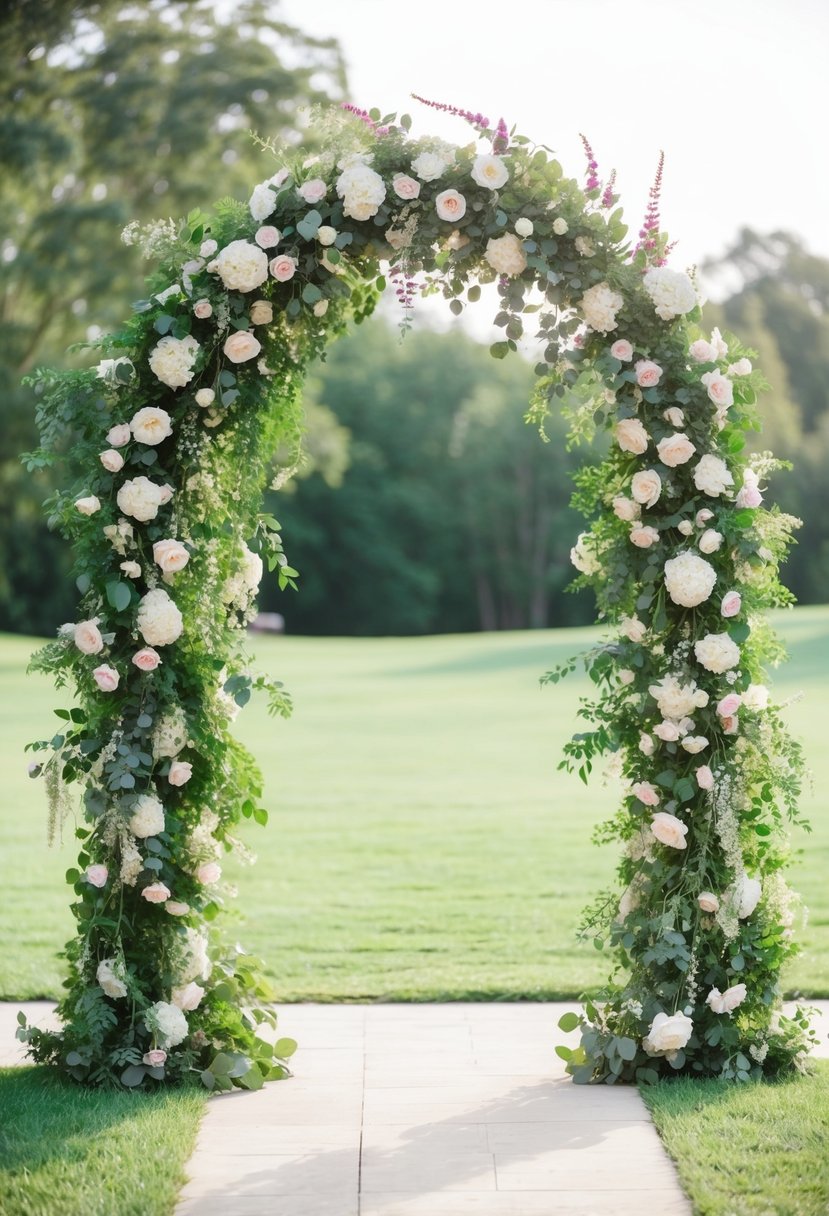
{"points": [[732, 90]]}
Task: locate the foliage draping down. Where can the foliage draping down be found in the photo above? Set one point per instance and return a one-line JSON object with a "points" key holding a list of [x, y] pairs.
{"points": [[172, 433]]}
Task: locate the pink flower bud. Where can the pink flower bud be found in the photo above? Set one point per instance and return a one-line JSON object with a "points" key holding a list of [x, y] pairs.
{"points": [[731, 604], [97, 876]]}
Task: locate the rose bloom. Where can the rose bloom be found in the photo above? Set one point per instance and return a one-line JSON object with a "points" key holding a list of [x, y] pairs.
{"points": [[489, 171], [631, 436], [646, 793], [643, 538], [717, 652], [146, 659], [729, 704], [523, 227], [675, 450], [646, 487], [242, 346], [205, 397], [209, 873], [730, 725], [450, 205], [326, 235], [693, 744], [633, 629], [283, 267], [756, 697], [241, 265], [151, 426], [667, 731], [87, 637], [668, 1033], [626, 676], [158, 618], [647, 372], [725, 1002], [106, 678], [97, 876], [156, 893], [170, 555], [172, 360], [749, 494], [599, 306], [685, 527], [720, 389], [703, 516], [711, 475], [202, 309], [705, 781], [669, 830], [646, 744], [746, 895], [154, 1058], [702, 351], [180, 772], [112, 461], [622, 350], [674, 415], [187, 997], [405, 187], [176, 908], [262, 202], [261, 312], [626, 510], [710, 541], [707, 900], [429, 166], [505, 254], [267, 236], [561, 228], [88, 506], [741, 368], [320, 308], [312, 191], [119, 435]]}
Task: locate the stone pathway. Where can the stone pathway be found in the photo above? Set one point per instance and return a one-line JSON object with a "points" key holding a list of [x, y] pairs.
{"points": [[424, 1110]]}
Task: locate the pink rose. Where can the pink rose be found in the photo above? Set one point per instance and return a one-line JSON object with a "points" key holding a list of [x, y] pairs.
{"points": [[702, 351], [730, 725], [154, 1058], [646, 744], [119, 435], [450, 205], [87, 637], [146, 659], [97, 876], [404, 186], [705, 781], [631, 436], [180, 772], [731, 604], [624, 509], [646, 486], [283, 268], [729, 705], [646, 793], [749, 496], [669, 830], [668, 732], [622, 350], [707, 900], [112, 461], [106, 678], [312, 191], [165, 493], [720, 388], [175, 908], [647, 372], [209, 873], [644, 537], [170, 555], [267, 236], [675, 450], [242, 346], [156, 893], [187, 997], [202, 309]]}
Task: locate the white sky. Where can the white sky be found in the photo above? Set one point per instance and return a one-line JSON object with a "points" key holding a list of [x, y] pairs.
{"points": [[735, 91]]}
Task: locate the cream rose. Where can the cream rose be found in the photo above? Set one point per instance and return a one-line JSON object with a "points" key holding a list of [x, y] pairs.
{"points": [[717, 652], [159, 620], [675, 450], [151, 426], [668, 1033], [170, 555], [631, 436], [705, 781], [505, 254], [405, 187], [756, 698], [180, 772], [176, 908], [156, 893], [112, 461], [726, 1002], [146, 659], [428, 166], [711, 475], [693, 744], [87, 637], [187, 997], [632, 628], [710, 541], [87, 506], [669, 830], [708, 901], [523, 227], [241, 346], [362, 191], [643, 538], [685, 527], [489, 171], [625, 509], [241, 265], [668, 731], [647, 794], [261, 312], [561, 228], [674, 415], [689, 579], [205, 397], [746, 895], [450, 205], [173, 360], [110, 977], [648, 373], [140, 498], [119, 435], [262, 202], [583, 558], [326, 235], [677, 700], [646, 486], [646, 744]]}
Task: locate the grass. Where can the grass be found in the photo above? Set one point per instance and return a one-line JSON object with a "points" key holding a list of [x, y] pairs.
{"points": [[75, 1152], [748, 1150], [422, 845]]}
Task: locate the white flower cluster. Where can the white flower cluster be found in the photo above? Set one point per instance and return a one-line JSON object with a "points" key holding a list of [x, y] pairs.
{"points": [[671, 291], [173, 360], [505, 254], [362, 191], [241, 266], [140, 498], [194, 963], [675, 700], [158, 619], [717, 652], [689, 579], [599, 306], [583, 558], [167, 1023], [147, 817], [242, 586], [170, 734]]}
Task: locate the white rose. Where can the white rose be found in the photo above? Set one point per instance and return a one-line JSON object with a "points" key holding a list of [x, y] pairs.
{"points": [[685, 527], [632, 628], [725, 1002], [187, 997], [677, 700], [643, 538], [646, 487], [241, 266], [320, 308], [626, 676], [87, 637], [167, 1023], [746, 895], [669, 830], [151, 426], [668, 1033], [262, 202], [646, 744], [489, 171], [195, 963], [158, 619], [710, 541], [107, 370], [584, 559], [505, 254], [717, 652], [170, 555], [147, 817], [139, 498], [87, 506], [112, 460], [326, 235], [671, 291], [172, 360], [523, 227], [675, 450], [131, 569], [631, 436], [110, 977], [693, 744], [119, 435], [560, 228], [170, 734], [599, 306], [362, 191], [720, 388], [428, 166], [756, 697], [741, 368], [626, 510], [242, 346], [450, 205], [689, 579], [205, 397], [261, 312], [667, 731]]}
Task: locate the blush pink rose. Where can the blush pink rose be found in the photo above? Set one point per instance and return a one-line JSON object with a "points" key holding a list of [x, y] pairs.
{"points": [[622, 350], [450, 205], [146, 659], [267, 236], [668, 732], [283, 267], [643, 538], [242, 346], [646, 793], [647, 372], [97, 876], [175, 908], [170, 555], [119, 435], [106, 678], [708, 901], [154, 1058], [730, 725], [702, 351], [729, 705], [405, 187], [165, 493], [87, 637], [202, 309], [312, 191], [156, 893], [625, 509], [180, 772], [705, 781], [112, 461], [631, 436], [731, 604], [669, 830], [209, 873]]}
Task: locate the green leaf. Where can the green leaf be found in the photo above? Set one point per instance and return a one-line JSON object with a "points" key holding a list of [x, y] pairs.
{"points": [[564, 1053], [627, 1048], [499, 350], [222, 1064], [207, 1079], [118, 595], [83, 582], [569, 1021], [133, 1075], [163, 324], [311, 293], [227, 379], [739, 632], [261, 816], [144, 721], [309, 225], [284, 1048]]}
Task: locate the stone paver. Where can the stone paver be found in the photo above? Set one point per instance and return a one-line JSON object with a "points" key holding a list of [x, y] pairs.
{"points": [[423, 1110]]}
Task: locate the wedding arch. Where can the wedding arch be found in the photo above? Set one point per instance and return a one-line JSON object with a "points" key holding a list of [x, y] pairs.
{"points": [[172, 437]]}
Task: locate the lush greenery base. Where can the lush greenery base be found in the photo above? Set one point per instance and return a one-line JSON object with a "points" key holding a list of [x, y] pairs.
{"points": [[204, 386]]}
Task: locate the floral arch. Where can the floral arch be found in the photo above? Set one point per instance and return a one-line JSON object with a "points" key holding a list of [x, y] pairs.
{"points": [[171, 437]]}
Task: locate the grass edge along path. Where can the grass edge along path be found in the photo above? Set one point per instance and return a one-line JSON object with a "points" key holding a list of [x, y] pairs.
{"points": [[757, 1149], [66, 1151]]}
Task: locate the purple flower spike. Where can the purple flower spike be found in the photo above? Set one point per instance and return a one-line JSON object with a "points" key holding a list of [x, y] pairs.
{"points": [[475, 120], [501, 141], [592, 182]]}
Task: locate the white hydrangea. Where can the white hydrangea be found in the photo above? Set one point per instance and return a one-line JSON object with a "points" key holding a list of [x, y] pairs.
{"points": [[110, 976], [689, 579], [243, 585], [159, 619], [362, 191], [262, 202], [194, 963], [675, 700], [672, 292], [241, 265], [717, 652], [599, 306], [506, 254], [583, 558], [167, 1023], [139, 498], [173, 360], [147, 817], [711, 475], [756, 697], [170, 734]]}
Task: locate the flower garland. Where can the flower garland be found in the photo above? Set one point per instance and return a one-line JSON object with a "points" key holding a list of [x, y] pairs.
{"points": [[171, 437]]}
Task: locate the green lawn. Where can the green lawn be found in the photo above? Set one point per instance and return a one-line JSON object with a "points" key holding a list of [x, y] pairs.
{"points": [[421, 844], [748, 1150], [74, 1152]]}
